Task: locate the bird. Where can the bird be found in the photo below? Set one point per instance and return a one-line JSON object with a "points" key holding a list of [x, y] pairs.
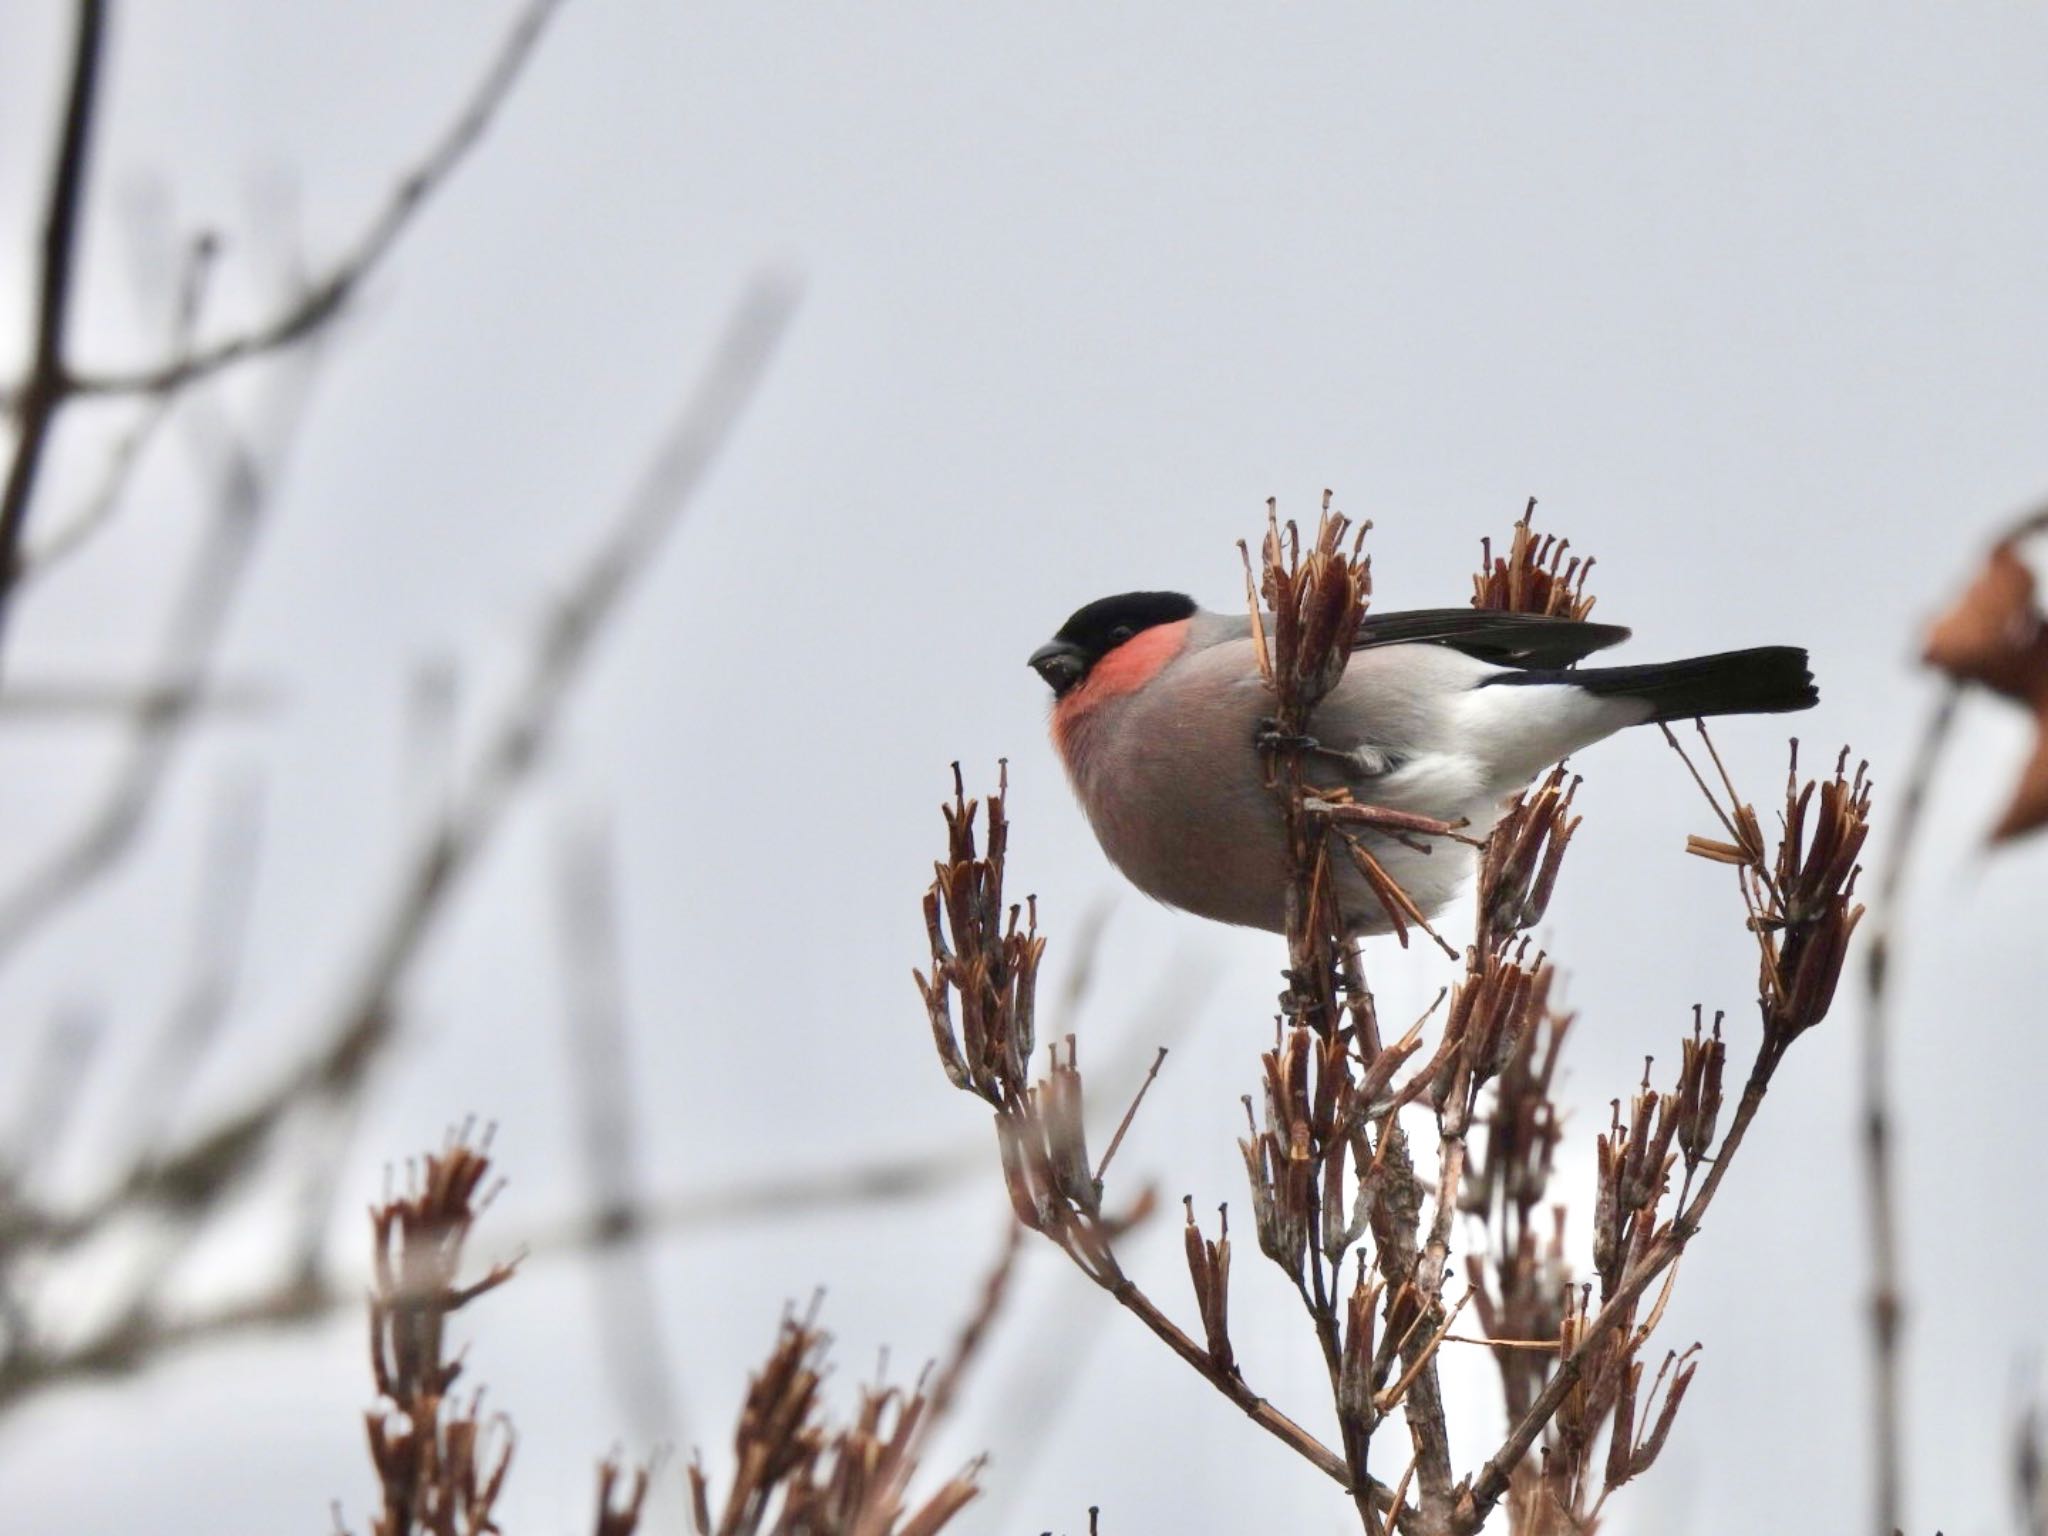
{"points": [[1162, 722]]}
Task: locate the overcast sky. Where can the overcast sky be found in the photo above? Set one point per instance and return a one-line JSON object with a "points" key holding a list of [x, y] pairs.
{"points": [[1750, 296]]}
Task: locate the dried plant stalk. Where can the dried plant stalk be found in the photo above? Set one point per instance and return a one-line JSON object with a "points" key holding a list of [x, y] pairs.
{"points": [[1339, 1205], [979, 1001], [1534, 576], [441, 1463], [795, 1476]]}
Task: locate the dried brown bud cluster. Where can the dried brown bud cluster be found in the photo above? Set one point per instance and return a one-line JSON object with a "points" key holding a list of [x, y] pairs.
{"points": [[796, 1476], [1497, 1007], [441, 1466], [990, 964], [1044, 1147], [1813, 911], [1634, 1168], [1573, 1479], [1316, 602], [1518, 870], [984, 961], [1534, 576], [1699, 1092], [1209, 1268], [1801, 896], [1314, 1100]]}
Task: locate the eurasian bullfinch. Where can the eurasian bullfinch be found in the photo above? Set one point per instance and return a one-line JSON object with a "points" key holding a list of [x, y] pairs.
{"points": [[1445, 712]]}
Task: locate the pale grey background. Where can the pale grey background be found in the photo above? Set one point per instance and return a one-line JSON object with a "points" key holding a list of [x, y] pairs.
{"points": [[1752, 300]]}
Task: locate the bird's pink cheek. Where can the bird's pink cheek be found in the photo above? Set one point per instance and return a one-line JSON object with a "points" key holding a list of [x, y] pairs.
{"points": [[1136, 662]]}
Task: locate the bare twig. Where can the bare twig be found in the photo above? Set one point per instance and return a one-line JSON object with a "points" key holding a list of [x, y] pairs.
{"points": [[148, 1332], [221, 915], [327, 297], [362, 1022], [946, 1381], [628, 1308], [1887, 1311], [49, 1090], [245, 478], [1123, 1126], [67, 539], [36, 403], [70, 701]]}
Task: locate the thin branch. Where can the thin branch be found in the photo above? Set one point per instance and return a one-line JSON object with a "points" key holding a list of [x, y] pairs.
{"points": [[1124, 1125], [35, 407], [221, 918], [68, 701], [244, 480], [1880, 1192], [146, 1334], [50, 1088], [1476, 1501], [67, 539], [331, 294], [627, 1295], [1234, 1387], [967, 1346], [363, 1021]]}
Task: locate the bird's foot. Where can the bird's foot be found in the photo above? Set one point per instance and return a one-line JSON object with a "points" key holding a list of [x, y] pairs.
{"points": [[1270, 738], [1357, 762]]}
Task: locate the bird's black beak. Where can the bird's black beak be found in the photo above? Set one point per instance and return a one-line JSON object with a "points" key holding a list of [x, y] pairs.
{"points": [[1061, 663]]}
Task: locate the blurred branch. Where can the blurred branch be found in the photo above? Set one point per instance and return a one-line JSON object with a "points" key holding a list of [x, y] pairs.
{"points": [[43, 700], [995, 1290], [67, 539], [2030, 1469], [244, 480], [147, 1333], [36, 403], [50, 1090], [221, 910], [330, 294], [1880, 1191], [628, 1305], [243, 486], [194, 1175]]}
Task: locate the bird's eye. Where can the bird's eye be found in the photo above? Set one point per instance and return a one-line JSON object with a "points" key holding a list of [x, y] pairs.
{"points": [[1120, 634]]}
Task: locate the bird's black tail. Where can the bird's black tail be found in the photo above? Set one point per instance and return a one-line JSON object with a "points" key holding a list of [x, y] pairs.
{"points": [[1768, 680]]}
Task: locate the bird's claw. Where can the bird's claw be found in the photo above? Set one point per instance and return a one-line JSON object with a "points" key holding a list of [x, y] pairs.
{"points": [[1270, 738]]}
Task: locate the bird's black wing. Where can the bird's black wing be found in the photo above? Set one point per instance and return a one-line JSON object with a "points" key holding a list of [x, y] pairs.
{"points": [[1506, 639]]}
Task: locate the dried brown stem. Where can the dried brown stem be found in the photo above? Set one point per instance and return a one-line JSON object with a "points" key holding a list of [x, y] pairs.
{"points": [[1801, 901], [1476, 1501], [1123, 1126]]}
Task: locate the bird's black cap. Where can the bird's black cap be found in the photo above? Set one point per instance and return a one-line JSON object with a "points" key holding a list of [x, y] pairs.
{"points": [[1099, 628]]}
